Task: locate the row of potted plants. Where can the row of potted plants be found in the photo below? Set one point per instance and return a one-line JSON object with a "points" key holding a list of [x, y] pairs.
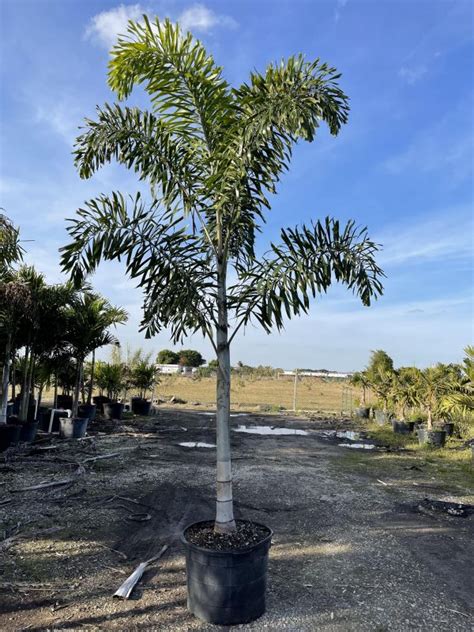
{"points": [[434, 401]]}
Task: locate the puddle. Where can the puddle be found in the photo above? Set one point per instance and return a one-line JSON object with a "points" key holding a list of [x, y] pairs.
{"points": [[269, 430], [360, 446], [196, 444], [348, 434], [207, 414], [351, 435]]}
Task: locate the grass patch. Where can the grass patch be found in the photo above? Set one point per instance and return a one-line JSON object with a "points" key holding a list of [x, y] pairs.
{"points": [[451, 466]]}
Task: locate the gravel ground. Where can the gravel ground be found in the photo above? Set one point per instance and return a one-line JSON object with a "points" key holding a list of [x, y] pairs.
{"points": [[351, 551]]}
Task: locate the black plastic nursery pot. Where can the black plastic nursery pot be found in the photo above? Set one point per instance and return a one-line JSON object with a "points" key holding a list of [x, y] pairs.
{"points": [[99, 401], [87, 410], [9, 435], [436, 438], [135, 404], [403, 427], [113, 411], [64, 401], [28, 429], [362, 412], [73, 427], [227, 587], [140, 406], [45, 417], [448, 428]]}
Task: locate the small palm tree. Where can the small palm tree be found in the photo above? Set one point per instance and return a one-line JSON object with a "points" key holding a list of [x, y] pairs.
{"points": [[212, 155], [459, 402], [89, 318], [404, 393], [434, 384], [360, 380], [15, 306]]}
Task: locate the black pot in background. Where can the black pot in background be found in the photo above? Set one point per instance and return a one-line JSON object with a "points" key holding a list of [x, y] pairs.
{"points": [[9, 435], [448, 428], [362, 412], [227, 587], [436, 438], [28, 431], [10, 406], [64, 401], [99, 401], [140, 406], [113, 411], [135, 405], [403, 427], [87, 410], [45, 417]]}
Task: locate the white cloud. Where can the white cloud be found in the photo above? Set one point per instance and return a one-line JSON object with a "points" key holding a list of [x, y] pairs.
{"points": [[64, 116], [340, 4], [412, 74], [446, 236], [107, 25], [444, 148], [200, 18]]}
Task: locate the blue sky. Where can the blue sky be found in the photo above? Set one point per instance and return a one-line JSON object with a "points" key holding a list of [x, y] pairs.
{"points": [[402, 166]]}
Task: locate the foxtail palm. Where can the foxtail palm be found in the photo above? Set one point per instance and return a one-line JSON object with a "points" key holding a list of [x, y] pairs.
{"points": [[212, 154]]}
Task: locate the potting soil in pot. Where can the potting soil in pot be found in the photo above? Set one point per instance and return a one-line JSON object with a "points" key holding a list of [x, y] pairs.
{"points": [[247, 534]]}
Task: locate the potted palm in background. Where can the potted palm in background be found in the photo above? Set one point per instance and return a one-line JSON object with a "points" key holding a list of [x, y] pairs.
{"points": [[405, 397], [379, 374], [143, 378], [212, 154], [15, 301], [89, 318]]}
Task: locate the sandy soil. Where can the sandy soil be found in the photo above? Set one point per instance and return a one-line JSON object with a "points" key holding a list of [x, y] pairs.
{"points": [[351, 551]]}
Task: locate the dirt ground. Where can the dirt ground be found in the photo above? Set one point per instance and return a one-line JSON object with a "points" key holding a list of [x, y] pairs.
{"points": [[353, 549]]}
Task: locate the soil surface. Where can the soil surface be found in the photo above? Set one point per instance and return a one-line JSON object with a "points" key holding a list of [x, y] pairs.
{"points": [[354, 547], [245, 537]]}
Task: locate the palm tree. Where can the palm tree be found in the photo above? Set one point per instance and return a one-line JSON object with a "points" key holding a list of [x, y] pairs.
{"points": [[212, 154], [15, 306], [89, 318], [14, 301], [435, 383], [11, 251], [360, 380], [459, 402], [405, 388]]}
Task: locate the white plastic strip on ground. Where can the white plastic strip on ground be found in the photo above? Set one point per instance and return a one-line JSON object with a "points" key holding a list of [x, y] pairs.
{"points": [[269, 430]]}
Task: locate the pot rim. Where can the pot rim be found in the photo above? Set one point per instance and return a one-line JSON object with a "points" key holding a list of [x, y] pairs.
{"points": [[217, 553]]}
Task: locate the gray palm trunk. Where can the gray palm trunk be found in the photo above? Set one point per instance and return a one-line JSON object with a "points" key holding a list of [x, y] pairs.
{"points": [[91, 385], [5, 380], [27, 386], [225, 522], [77, 388]]}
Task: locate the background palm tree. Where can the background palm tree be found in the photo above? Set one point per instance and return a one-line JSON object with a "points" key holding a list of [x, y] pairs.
{"points": [[404, 392], [212, 154], [89, 318], [434, 384], [360, 380]]}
